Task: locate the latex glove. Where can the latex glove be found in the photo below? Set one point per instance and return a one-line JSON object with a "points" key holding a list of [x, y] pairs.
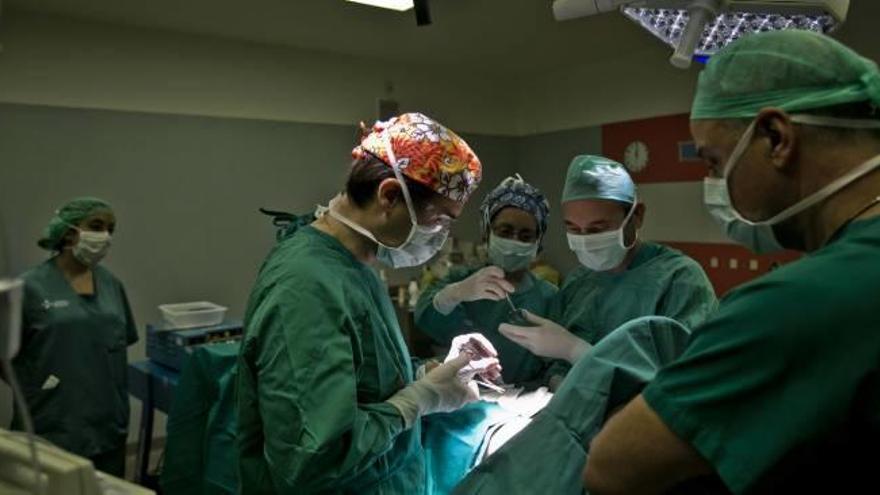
{"points": [[444, 389], [427, 368], [488, 283], [546, 339], [484, 353]]}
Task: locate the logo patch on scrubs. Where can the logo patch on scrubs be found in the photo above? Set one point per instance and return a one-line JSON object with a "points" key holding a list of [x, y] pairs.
{"points": [[47, 304]]}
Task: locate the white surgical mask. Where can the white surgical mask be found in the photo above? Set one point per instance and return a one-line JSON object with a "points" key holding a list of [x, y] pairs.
{"points": [[604, 251], [420, 245], [91, 247], [759, 235], [511, 255], [760, 240]]}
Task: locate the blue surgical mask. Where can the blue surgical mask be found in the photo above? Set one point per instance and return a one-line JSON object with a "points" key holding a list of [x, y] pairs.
{"points": [[759, 236], [511, 255]]}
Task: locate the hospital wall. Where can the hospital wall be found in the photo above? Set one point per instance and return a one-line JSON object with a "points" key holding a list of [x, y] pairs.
{"points": [[47, 60], [615, 88]]}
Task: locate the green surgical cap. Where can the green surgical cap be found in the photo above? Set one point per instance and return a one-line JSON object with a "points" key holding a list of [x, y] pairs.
{"points": [[72, 213], [792, 70], [597, 177]]}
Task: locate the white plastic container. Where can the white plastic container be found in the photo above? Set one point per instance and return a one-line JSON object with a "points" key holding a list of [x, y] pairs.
{"points": [[192, 314]]}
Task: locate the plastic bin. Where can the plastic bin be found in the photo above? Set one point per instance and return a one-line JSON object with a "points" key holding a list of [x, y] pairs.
{"points": [[192, 314]]}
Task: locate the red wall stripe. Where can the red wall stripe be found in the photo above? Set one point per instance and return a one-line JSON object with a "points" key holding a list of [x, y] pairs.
{"points": [[730, 265], [662, 136]]}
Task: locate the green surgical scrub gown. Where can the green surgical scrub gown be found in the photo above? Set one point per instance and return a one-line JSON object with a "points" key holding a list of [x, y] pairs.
{"points": [[519, 365], [72, 362], [322, 353], [200, 451], [548, 456], [452, 440], [780, 389], [659, 281]]}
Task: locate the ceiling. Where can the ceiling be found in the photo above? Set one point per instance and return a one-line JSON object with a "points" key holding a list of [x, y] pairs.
{"points": [[511, 36], [498, 36]]}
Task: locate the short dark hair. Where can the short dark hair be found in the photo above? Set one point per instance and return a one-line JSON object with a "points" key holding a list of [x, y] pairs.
{"points": [[860, 110], [367, 173]]}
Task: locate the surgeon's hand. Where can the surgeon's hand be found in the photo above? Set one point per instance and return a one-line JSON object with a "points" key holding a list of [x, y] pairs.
{"points": [[446, 388], [486, 357], [546, 339], [488, 283]]}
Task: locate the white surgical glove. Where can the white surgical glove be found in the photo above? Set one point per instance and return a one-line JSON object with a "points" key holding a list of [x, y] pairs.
{"points": [[488, 283], [484, 354], [546, 339], [446, 388]]}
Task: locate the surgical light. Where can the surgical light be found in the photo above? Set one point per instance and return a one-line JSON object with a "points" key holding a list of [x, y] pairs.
{"points": [[699, 28], [669, 25]]}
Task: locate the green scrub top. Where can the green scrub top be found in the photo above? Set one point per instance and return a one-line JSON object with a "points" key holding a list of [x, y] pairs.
{"points": [[780, 389], [72, 362], [322, 353], [548, 456], [660, 281], [518, 364]]}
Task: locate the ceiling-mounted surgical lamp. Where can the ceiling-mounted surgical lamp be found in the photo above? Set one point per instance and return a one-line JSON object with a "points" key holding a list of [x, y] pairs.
{"points": [[699, 28]]}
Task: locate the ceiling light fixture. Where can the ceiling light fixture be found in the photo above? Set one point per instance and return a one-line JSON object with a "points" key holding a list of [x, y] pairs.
{"points": [[699, 28], [398, 5], [669, 25]]}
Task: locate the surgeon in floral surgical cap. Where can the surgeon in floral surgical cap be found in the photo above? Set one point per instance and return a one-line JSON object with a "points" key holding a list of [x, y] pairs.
{"points": [[328, 399]]}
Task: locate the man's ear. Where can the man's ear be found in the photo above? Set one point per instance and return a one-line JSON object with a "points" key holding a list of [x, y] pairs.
{"points": [[388, 194], [781, 134], [639, 215]]}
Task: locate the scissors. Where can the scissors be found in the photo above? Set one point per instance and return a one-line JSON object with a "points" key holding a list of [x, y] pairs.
{"points": [[517, 316], [490, 386]]}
